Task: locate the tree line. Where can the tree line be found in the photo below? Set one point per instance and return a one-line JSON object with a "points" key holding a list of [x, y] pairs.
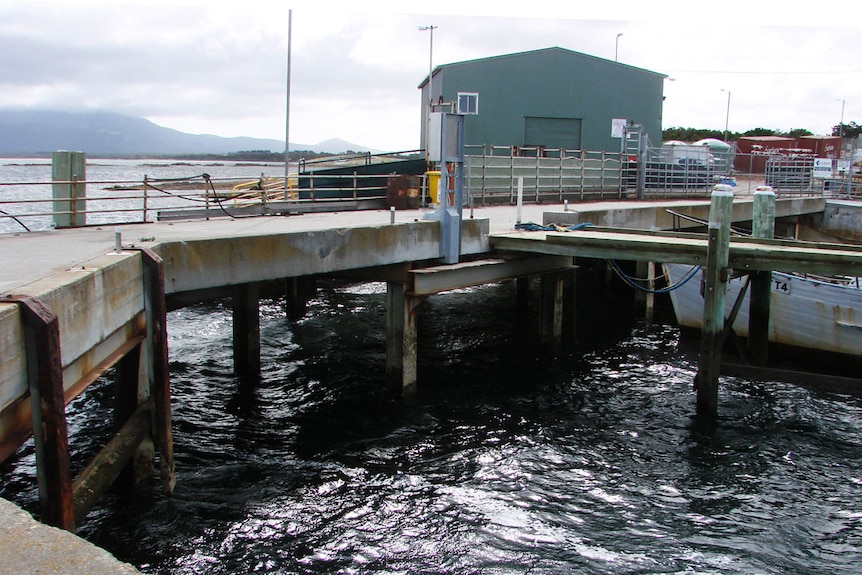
{"points": [[851, 130]]}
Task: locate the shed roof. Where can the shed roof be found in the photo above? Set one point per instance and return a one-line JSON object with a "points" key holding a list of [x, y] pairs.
{"points": [[552, 49]]}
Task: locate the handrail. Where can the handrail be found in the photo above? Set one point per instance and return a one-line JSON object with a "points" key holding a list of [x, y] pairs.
{"points": [[141, 199]]}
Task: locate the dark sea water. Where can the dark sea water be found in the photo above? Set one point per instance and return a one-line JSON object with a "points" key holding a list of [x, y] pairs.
{"points": [[512, 459]]}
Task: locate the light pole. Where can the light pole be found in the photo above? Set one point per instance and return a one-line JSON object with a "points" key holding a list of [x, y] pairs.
{"points": [[617, 47], [287, 108], [430, 28], [841, 125], [727, 115]]}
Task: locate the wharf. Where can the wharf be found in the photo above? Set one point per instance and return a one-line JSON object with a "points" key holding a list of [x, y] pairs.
{"points": [[28, 257], [107, 304]]}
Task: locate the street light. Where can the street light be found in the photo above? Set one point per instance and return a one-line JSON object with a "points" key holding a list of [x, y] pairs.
{"points": [[617, 47], [841, 125], [727, 115], [430, 61], [430, 28]]}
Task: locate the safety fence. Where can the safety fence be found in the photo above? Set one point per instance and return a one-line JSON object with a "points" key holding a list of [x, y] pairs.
{"points": [[492, 174], [41, 205]]}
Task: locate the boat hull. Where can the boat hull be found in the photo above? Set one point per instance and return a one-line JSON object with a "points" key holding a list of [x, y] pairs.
{"points": [[804, 312]]}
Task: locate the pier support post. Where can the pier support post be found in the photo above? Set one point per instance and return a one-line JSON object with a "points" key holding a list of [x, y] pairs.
{"points": [[131, 392], [762, 226], [401, 338], [298, 291], [50, 434], [572, 299], [551, 309], [714, 296], [645, 300], [159, 372], [522, 294], [246, 331]]}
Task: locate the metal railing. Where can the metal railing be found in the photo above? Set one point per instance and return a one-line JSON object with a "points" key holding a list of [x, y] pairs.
{"points": [[33, 205], [549, 175], [491, 177]]}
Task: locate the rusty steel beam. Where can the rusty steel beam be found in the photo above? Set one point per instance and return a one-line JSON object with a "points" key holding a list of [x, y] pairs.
{"points": [[45, 380], [18, 416]]}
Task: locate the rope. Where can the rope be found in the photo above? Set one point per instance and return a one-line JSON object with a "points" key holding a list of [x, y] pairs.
{"points": [[206, 177], [8, 215], [633, 283]]}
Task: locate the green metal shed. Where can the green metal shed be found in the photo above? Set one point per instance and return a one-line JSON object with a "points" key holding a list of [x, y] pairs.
{"points": [[553, 97]]}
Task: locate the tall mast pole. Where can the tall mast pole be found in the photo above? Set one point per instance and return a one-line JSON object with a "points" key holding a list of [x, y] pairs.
{"points": [[287, 111]]}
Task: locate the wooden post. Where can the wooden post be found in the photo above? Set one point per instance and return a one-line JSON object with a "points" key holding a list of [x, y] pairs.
{"points": [[762, 226], [246, 331], [645, 300], [650, 296], [522, 294], [159, 372], [298, 291], [551, 314], [107, 465], [45, 377], [640, 296], [129, 395], [714, 295], [401, 338], [395, 294]]}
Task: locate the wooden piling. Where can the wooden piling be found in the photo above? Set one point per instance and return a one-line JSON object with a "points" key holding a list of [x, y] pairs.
{"points": [[129, 395], [107, 465], [649, 313], [402, 338], [762, 226], [551, 309], [395, 294], [298, 291], [246, 331], [714, 296], [159, 373], [645, 300], [522, 294]]}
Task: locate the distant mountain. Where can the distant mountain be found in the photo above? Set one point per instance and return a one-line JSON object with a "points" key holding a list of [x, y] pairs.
{"points": [[331, 146], [25, 132]]}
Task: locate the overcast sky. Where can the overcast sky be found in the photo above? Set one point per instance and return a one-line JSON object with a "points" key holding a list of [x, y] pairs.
{"points": [[220, 68]]}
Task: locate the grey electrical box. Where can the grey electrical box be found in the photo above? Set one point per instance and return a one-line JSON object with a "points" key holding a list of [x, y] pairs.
{"points": [[439, 150]]}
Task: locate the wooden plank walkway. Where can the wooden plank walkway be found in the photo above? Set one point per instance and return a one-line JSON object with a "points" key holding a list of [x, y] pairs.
{"points": [[748, 254]]}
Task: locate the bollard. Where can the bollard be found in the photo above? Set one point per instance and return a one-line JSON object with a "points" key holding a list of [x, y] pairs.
{"points": [[520, 197], [68, 172]]}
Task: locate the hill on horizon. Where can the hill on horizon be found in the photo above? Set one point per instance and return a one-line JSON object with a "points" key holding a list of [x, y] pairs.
{"points": [[24, 132]]}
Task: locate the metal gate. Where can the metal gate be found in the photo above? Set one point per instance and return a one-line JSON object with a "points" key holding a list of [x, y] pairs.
{"points": [[670, 170]]}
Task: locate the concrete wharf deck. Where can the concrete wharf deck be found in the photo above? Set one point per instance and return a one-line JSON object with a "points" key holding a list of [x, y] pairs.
{"points": [[28, 257], [102, 301]]}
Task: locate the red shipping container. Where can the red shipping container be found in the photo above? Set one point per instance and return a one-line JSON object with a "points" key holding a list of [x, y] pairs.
{"points": [[753, 151], [822, 146]]}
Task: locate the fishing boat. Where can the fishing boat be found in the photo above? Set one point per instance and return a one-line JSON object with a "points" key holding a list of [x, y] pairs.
{"points": [[805, 311]]}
